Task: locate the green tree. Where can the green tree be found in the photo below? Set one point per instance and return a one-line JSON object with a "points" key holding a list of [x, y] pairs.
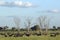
{"points": [[13, 28], [5, 28], [54, 27]]}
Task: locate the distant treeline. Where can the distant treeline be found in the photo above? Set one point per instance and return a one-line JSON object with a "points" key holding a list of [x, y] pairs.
{"points": [[34, 28]]}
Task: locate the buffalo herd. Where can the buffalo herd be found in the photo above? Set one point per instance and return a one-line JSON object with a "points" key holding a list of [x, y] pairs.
{"points": [[27, 34]]}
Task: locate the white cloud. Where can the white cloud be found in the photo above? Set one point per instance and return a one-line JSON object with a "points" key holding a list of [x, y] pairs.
{"points": [[55, 11], [50, 11], [28, 4], [2, 3], [16, 4]]}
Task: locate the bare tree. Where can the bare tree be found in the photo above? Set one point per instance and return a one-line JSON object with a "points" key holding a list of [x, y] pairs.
{"points": [[46, 25], [43, 22], [17, 22], [28, 24]]}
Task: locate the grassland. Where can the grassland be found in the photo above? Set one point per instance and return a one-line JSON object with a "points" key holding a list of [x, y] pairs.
{"points": [[42, 37], [31, 38]]}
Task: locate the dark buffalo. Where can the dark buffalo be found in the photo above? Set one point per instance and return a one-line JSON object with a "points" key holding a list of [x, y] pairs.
{"points": [[53, 34], [38, 34], [27, 34], [18, 35]]}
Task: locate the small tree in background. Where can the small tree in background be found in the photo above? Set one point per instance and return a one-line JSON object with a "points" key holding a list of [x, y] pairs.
{"points": [[35, 28], [13, 29], [54, 27], [5, 27], [1, 28]]}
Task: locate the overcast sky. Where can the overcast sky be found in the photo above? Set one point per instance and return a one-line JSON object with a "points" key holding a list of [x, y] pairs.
{"points": [[31, 8]]}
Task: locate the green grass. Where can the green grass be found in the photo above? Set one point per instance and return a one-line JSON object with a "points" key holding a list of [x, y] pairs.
{"points": [[31, 38], [43, 37]]}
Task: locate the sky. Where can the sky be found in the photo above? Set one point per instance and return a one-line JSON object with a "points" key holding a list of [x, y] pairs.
{"points": [[29, 8]]}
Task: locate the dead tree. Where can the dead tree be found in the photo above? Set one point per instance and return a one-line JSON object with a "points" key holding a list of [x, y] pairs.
{"points": [[46, 25], [41, 21], [44, 22], [17, 22], [28, 24]]}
